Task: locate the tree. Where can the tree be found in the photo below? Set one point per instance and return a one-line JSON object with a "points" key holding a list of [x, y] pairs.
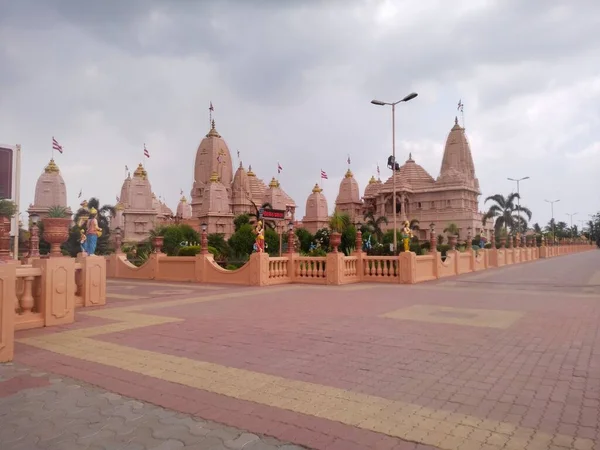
{"points": [[175, 237], [254, 216], [242, 241], [339, 222], [104, 215], [241, 220], [452, 229], [374, 224], [506, 213], [305, 238]]}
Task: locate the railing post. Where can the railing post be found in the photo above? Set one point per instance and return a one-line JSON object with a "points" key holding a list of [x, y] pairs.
{"points": [[8, 282], [57, 290], [334, 267], [93, 277], [408, 267]]}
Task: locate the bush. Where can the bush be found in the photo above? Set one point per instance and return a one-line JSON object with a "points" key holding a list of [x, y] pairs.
{"points": [[231, 267], [443, 249], [305, 238], [242, 241], [190, 250]]}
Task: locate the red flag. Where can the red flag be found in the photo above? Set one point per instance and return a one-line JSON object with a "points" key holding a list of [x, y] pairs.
{"points": [[348, 159], [56, 145], [211, 108], [378, 172], [146, 152], [324, 175], [80, 192], [279, 168]]}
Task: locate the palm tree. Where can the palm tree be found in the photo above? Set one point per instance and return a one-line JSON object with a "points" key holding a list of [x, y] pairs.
{"points": [[256, 214], [339, 222], [537, 229], [451, 229], [374, 225], [506, 212]]}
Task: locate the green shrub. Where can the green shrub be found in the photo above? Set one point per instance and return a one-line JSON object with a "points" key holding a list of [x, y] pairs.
{"points": [[8, 208], [190, 250], [231, 267]]}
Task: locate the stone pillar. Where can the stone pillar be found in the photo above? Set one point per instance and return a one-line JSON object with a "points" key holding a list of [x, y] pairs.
{"points": [[290, 241], [359, 241], [407, 263], [93, 280], [4, 238], [118, 241], [8, 282], [204, 243], [34, 241], [432, 240], [509, 242], [57, 289]]}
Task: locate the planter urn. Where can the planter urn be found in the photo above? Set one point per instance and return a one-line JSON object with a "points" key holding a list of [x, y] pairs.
{"points": [[452, 240], [335, 241], [56, 231]]}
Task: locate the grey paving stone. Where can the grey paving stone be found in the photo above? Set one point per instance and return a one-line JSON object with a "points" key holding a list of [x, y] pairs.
{"points": [[69, 415]]}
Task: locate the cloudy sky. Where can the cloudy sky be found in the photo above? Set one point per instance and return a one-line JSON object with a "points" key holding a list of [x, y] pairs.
{"points": [[291, 81]]}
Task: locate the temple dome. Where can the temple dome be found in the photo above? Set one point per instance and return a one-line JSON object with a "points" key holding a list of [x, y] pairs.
{"points": [[216, 198], [316, 205], [457, 163], [213, 156], [373, 187], [184, 209], [241, 191], [136, 192], [349, 191], [50, 189], [276, 197]]}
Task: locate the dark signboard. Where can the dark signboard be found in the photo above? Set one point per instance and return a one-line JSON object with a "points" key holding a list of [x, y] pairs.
{"points": [[6, 172], [272, 214]]}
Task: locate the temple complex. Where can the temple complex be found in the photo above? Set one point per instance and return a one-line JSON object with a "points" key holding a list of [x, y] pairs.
{"points": [[50, 190], [451, 198]]}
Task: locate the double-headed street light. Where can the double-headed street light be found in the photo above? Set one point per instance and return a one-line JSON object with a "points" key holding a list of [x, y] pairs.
{"points": [[518, 180], [393, 105], [552, 202]]}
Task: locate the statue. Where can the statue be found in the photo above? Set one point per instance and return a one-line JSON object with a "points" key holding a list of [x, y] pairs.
{"points": [[391, 163], [89, 237], [367, 245], [407, 234], [259, 243]]}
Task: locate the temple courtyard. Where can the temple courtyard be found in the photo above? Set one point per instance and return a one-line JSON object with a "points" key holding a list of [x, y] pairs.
{"points": [[501, 359]]}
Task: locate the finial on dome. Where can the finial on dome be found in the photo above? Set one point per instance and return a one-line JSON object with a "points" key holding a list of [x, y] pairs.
{"points": [[241, 165], [372, 180], [140, 172], [317, 188], [52, 167], [213, 131], [214, 177], [410, 157], [274, 183], [348, 174], [250, 173], [455, 120], [183, 199]]}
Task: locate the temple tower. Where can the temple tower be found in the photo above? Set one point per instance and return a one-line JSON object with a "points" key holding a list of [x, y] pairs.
{"points": [[317, 213], [348, 199], [139, 211], [50, 190], [215, 208]]}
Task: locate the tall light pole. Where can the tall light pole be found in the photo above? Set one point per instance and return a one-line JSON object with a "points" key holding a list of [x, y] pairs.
{"points": [[393, 105], [518, 180], [571, 215], [552, 202]]}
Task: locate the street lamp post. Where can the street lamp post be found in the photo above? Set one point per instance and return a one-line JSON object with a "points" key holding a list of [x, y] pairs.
{"points": [[393, 105], [571, 216], [518, 180], [552, 202]]}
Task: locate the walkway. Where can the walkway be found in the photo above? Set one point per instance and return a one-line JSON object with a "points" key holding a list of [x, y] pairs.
{"points": [[507, 358]]}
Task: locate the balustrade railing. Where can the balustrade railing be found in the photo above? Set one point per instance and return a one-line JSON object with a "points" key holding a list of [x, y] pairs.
{"points": [[313, 268], [377, 268]]}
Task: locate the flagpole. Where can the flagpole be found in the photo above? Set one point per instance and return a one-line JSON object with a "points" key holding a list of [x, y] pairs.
{"points": [[462, 113]]}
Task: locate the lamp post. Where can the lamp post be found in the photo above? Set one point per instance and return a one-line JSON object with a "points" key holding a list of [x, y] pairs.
{"points": [[393, 105], [518, 180], [552, 202], [34, 237], [118, 241], [203, 240], [571, 216], [290, 237]]}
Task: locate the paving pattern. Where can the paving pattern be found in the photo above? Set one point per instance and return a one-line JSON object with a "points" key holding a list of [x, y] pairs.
{"points": [[43, 411], [504, 359]]}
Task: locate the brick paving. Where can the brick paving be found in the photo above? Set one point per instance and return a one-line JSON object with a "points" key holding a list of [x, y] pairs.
{"points": [[506, 358]]}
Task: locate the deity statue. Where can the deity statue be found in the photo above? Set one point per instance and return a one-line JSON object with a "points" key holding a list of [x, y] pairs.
{"points": [[407, 234], [367, 245], [259, 244], [89, 237]]}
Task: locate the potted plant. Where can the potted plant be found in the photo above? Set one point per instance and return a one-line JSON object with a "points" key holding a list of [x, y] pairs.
{"points": [[452, 231], [338, 222], [502, 237], [56, 228], [7, 210]]}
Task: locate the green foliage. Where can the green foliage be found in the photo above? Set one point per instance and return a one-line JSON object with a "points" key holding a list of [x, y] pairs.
{"points": [[272, 241], [373, 225], [58, 212], [338, 222], [348, 239], [317, 252], [242, 241], [322, 238], [240, 220], [218, 242], [441, 238], [305, 238], [175, 237], [8, 208], [231, 267], [451, 229], [506, 212], [190, 250]]}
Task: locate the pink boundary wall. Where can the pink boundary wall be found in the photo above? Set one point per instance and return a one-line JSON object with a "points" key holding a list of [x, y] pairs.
{"points": [[45, 293], [333, 269]]}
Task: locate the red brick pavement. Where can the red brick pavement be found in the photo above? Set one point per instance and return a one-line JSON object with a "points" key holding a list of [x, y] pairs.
{"points": [[543, 372]]}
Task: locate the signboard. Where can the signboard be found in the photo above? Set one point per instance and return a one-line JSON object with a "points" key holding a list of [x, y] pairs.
{"points": [[6, 172], [272, 214]]}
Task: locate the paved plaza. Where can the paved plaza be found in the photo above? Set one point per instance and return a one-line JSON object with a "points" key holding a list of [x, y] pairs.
{"points": [[507, 358]]}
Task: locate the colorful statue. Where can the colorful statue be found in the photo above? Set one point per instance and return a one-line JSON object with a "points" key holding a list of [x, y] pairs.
{"points": [[367, 245], [259, 244], [89, 239], [407, 234]]}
